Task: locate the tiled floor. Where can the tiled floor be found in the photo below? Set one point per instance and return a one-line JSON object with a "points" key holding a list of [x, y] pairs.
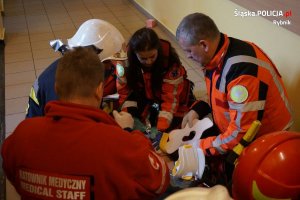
{"points": [[31, 24]]}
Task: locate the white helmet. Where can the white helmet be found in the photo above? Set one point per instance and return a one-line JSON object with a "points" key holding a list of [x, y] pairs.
{"points": [[102, 35]]}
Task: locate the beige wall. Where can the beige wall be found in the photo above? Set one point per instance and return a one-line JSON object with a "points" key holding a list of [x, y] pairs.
{"points": [[280, 44]]}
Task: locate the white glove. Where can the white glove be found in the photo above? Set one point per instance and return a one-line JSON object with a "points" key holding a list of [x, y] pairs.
{"points": [[189, 118], [124, 119]]}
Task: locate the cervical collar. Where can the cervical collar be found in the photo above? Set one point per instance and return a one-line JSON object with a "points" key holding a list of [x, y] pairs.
{"points": [[179, 137], [191, 162]]}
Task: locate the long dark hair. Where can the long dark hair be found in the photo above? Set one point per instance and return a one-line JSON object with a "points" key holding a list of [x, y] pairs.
{"points": [[146, 39]]}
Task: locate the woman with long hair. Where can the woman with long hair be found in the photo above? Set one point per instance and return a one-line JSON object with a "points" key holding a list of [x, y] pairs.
{"points": [[154, 85]]}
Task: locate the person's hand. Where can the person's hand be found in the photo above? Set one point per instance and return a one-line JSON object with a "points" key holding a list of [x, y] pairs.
{"points": [[124, 119], [189, 118]]}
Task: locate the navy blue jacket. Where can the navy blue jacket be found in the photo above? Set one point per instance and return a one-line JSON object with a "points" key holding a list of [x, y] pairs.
{"points": [[42, 91]]}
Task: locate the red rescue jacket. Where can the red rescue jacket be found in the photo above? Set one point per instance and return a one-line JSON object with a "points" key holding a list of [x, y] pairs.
{"points": [[174, 97], [79, 151]]}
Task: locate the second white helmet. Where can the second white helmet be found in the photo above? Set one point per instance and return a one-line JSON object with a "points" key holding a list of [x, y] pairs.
{"points": [[102, 35]]}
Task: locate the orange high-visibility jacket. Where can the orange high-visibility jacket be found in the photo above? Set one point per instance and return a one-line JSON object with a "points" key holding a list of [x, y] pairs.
{"points": [[173, 97], [243, 85]]}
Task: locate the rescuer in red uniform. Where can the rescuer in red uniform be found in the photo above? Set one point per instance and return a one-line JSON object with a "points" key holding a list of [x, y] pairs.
{"points": [[77, 151], [154, 81]]}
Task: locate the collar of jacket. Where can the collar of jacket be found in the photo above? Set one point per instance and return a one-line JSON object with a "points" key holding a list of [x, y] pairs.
{"points": [[217, 60], [59, 109]]}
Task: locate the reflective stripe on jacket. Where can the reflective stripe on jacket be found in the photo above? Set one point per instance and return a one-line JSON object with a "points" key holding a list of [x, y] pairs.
{"points": [[171, 98], [43, 90], [244, 85]]}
